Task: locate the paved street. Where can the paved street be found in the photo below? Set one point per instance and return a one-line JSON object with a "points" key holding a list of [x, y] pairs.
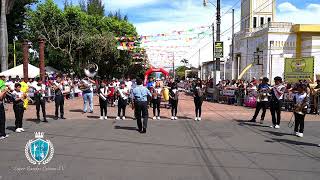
{"points": [[221, 147]]}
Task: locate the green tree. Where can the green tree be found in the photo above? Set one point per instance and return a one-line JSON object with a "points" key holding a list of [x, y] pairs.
{"points": [[180, 72], [95, 7], [16, 27], [75, 38]]}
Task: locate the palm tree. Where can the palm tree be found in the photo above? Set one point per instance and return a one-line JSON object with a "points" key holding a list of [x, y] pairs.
{"points": [[185, 62], [6, 6]]}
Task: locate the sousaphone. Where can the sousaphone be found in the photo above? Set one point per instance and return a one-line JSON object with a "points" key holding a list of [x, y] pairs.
{"points": [[91, 70]]}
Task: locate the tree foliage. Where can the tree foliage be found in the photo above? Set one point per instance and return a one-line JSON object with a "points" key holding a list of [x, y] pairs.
{"points": [[76, 37]]}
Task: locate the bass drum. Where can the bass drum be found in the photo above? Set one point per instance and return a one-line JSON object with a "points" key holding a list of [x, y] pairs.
{"points": [[166, 94]]}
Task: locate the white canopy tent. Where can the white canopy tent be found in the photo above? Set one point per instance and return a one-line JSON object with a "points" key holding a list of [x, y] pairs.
{"points": [[51, 70], [18, 71]]}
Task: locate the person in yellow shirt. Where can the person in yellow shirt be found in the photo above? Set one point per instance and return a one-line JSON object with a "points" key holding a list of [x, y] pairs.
{"points": [[25, 89]]}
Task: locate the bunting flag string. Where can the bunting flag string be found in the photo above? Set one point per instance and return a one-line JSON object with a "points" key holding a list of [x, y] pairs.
{"points": [[173, 33]]}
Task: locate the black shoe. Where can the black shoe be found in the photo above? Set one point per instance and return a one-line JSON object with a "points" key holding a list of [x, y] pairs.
{"points": [[252, 120], [56, 118], [91, 112], [62, 117], [45, 120], [144, 130]]}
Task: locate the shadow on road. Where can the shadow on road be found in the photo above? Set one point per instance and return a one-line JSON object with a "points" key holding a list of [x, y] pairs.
{"points": [[246, 123], [33, 120], [93, 117], [129, 128], [288, 141], [76, 110], [277, 133], [11, 128]]}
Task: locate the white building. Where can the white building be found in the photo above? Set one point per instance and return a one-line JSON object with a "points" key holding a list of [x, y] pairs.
{"points": [[267, 43]]}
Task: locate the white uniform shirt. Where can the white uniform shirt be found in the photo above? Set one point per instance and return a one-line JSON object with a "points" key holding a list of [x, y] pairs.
{"points": [[300, 97], [17, 95], [124, 93], [41, 87]]}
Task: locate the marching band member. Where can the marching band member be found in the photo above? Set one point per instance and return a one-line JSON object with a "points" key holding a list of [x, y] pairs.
{"points": [[18, 106], [300, 101], [3, 92], [262, 100], [140, 105], [87, 94], [198, 94], [59, 98], [103, 100], [40, 101], [112, 93], [277, 92], [156, 100], [123, 94], [174, 99]]}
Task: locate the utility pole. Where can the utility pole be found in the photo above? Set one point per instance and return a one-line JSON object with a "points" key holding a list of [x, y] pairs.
{"points": [[173, 70], [213, 61], [232, 44], [14, 52], [199, 67], [217, 75]]}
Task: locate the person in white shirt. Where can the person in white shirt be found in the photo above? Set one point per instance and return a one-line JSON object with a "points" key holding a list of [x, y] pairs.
{"points": [[123, 94], [103, 100], [18, 107], [300, 101], [10, 84], [276, 101], [87, 93], [156, 100], [59, 98], [129, 84], [40, 90]]}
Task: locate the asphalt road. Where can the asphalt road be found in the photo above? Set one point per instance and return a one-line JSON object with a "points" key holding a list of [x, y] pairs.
{"points": [[221, 147]]}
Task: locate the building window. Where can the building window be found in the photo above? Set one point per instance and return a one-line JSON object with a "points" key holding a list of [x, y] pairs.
{"points": [[261, 21], [254, 22], [269, 19]]}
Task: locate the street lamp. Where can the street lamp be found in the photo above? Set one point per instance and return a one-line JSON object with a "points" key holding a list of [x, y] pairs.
{"points": [[205, 3], [14, 51]]}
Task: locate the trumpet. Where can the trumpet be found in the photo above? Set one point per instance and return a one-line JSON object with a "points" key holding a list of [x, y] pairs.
{"points": [[301, 108]]}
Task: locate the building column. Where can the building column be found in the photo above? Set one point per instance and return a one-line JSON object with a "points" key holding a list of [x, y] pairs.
{"points": [[41, 59], [26, 46], [298, 45]]}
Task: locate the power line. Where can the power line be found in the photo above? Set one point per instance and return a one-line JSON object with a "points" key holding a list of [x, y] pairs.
{"points": [[232, 8], [253, 13]]}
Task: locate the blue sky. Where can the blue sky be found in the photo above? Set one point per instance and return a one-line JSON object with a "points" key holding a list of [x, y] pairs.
{"points": [[161, 16], [145, 14]]}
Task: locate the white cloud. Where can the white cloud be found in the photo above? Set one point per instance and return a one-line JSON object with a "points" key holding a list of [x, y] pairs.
{"points": [[314, 7], [126, 4], [307, 15], [287, 7], [186, 15]]}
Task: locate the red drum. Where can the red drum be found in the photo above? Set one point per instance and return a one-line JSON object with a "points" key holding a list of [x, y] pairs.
{"points": [[251, 102]]}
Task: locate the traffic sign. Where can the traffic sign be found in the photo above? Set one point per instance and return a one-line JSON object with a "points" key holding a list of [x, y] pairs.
{"points": [[218, 49]]}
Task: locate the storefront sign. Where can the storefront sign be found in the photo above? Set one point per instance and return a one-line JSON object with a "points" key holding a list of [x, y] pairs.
{"points": [[296, 69]]}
